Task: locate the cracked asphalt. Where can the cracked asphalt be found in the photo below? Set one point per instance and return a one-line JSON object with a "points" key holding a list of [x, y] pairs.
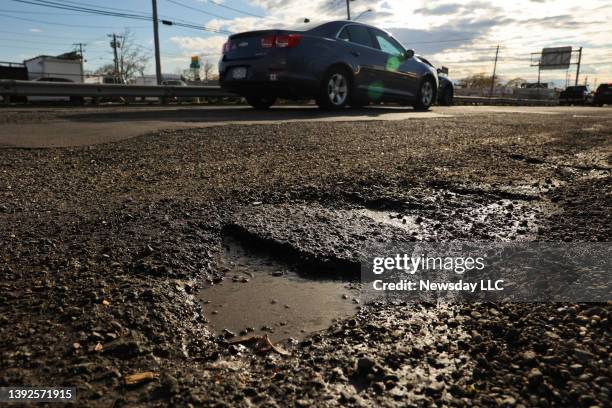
{"points": [[106, 242]]}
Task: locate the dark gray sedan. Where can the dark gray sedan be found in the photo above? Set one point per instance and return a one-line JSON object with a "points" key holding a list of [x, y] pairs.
{"points": [[338, 64]]}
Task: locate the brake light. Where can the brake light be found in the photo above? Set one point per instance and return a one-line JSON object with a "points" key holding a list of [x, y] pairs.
{"points": [[226, 47], [268, 42], [288, 41], [281, 41]]}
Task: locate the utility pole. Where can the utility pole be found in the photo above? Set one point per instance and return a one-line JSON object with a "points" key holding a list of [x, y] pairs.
{"points": [[114, 45], [80, 48], [494, 70], [578, 66], [156, 40], [348, 9]]}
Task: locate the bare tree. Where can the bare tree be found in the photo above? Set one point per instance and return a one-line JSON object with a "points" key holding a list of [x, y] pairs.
{"points": [[208, 70], [106, 69], [516, 82], [480, 80], [133, 58]]}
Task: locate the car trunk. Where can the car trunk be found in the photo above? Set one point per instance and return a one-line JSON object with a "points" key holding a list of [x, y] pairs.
{"points": [[248, 45]]}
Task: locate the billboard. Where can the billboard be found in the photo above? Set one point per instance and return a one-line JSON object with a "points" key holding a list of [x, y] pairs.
{"points": [[556, 58]]}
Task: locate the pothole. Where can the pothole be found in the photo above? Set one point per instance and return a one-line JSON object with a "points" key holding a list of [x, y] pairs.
{"points": [[262, 295]]}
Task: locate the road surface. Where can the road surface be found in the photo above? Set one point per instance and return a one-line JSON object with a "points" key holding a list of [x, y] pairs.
{"points": [[67, 126]]}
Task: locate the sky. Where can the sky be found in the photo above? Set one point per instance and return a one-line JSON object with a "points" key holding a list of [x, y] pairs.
{"points": [[461, 35]]}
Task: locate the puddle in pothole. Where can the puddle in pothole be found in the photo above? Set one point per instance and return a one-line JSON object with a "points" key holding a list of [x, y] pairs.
{"points": [[261, 295]]}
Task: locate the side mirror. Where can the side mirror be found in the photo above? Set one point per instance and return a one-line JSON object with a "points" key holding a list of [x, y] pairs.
{"points": [[409, 54]]}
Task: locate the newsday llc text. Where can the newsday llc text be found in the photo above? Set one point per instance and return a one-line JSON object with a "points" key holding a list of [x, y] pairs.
{"points": [[476, 271]]}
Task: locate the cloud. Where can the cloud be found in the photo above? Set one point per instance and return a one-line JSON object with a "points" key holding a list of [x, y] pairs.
{"points": [[454, 34], [457, 33], [35, 30], [209, 46], [563, 21], [441, 9]]}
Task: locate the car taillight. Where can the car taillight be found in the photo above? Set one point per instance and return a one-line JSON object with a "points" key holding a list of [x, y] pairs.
{"points": [[226, 47], [281, 41], [288, 41], [268, 42]]}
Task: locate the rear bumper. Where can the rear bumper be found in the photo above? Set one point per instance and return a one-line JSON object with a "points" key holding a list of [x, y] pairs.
{"points": [[286, 88], [264, 78]]}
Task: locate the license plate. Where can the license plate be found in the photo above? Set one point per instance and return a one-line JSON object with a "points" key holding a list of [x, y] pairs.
{"points": [[239, 73]]}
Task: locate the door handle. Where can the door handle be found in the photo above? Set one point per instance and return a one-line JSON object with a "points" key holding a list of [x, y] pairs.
{"points": [[355, 53]]}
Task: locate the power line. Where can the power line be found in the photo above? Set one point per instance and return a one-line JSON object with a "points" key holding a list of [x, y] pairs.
{"points": [[35, 49], [81, 3], [131, 15], [14, 40], [52, 4], [443, 41], [36, 12], [196, 9], [234, 9], [34, 34], [84, 3], [63, 24]]}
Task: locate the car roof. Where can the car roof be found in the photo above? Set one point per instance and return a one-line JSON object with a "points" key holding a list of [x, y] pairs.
{"points": [[331, 28]]}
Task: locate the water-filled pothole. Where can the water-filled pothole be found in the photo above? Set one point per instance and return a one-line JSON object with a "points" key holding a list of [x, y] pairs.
{"points": [[262, 295]]}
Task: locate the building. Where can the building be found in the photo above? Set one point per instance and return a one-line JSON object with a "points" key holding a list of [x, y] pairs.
{"points": [[67, 66]]}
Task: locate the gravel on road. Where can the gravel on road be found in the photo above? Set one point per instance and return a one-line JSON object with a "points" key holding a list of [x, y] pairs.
{"points": [[104, 248]]}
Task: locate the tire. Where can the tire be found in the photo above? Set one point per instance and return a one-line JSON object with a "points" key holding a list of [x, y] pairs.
{"points": [[336, 89], [446, 98], [261, 102], [426, 95]]}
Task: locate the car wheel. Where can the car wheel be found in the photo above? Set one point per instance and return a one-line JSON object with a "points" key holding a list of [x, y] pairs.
{"points": [[446, 99], [426, 95], [335, 89], [261, 102]]}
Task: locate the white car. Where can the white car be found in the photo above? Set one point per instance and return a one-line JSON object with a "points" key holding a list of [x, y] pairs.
{"points": [[75, 100]]}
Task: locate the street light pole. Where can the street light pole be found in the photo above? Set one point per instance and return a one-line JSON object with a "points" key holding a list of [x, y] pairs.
{"points": [[494, 71], [158, 73], [348, 9], [365, 12]]}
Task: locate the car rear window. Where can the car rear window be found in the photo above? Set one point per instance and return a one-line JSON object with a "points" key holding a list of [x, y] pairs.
{"points": [[360, 35]]}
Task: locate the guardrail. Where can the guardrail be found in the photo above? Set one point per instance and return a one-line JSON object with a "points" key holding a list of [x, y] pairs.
{"points": [[41, 88], [482, 100], [14, 88]]}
